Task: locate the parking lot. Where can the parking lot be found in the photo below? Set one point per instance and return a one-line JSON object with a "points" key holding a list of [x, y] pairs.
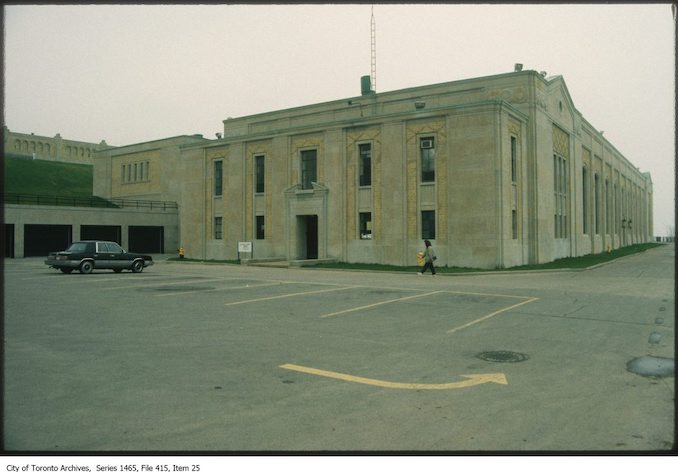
{"points": [[210, 357]]}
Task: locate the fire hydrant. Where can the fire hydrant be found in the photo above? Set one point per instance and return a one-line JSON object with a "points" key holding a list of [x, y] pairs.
{"points": [[181, 252]]}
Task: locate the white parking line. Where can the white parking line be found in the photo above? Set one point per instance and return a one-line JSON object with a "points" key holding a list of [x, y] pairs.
{"points": [[523, 297], [191, 292], [89, 278], [365, 307], [297, 294], [163, 284], [494, 313]]}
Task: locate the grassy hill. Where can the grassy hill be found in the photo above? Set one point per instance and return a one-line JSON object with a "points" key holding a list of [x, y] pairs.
{"points": [[38, 177]]}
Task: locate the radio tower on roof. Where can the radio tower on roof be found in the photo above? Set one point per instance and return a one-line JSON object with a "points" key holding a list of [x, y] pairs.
{"points": [[373, 72]]}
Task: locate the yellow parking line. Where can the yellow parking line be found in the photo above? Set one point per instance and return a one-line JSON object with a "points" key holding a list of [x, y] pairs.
{"points": [[365, 307], [297, 294], [471, 379], [471, 323]]}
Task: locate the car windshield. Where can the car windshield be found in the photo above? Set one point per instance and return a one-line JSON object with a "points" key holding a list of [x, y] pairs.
{"points": [[77, 247]]}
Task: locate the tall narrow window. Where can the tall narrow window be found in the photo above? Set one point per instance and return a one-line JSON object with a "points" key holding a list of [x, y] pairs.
{"points": [[218, 227], [428, 159], [585, 200], [560, 189], [366, 225], [596, 202], [259, 171], [309, 168], [616, 209], [218, 177], [608, 208], [428, 224], [260, 227], [514, 224], [514, 160], [365, 152]]}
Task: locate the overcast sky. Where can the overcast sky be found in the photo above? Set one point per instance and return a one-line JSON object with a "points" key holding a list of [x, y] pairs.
{"points": [[134, 73]]}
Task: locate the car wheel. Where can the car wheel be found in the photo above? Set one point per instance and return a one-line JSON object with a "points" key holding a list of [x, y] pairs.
{"points": [[66, 270], [86, 267], [138, 266]]}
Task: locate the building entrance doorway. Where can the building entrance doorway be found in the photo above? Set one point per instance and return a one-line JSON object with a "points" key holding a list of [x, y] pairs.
{"points": [[308, 236]]}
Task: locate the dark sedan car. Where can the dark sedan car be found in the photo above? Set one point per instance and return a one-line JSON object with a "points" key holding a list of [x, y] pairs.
{"points": [[89, 255]]}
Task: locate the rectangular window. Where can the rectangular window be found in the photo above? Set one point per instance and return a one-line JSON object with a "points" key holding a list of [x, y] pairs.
{"points": [[616, 209], [365, 152], [124, 174], [309, 168], [260, 227], [218, 227], [585, 200], [428, 224], [366, 225], [218, 178], [514, 224], [596, 205], [259, 172], [428, 159], [514, 160], [608, 208], [560, 189]]}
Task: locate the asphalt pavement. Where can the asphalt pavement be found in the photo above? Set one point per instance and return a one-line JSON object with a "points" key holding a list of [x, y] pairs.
{"points": [[188, 357]]}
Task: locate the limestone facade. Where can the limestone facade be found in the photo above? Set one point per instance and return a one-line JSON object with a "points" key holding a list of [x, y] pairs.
{"points": [[496, 171], [55, 148]]}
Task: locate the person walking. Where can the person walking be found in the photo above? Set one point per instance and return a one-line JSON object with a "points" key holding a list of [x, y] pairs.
{"points": [[429, 257]]}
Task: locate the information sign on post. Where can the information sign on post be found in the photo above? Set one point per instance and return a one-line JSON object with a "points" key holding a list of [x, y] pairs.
{"points": [[245, 247]]}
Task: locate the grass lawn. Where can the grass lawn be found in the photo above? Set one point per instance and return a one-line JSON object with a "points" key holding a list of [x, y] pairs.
{"points": [[38, 177], [566, 263]]}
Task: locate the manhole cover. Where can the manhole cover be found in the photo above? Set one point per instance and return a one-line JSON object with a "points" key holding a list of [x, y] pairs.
{"points": [[649, 366], [502, 356]]}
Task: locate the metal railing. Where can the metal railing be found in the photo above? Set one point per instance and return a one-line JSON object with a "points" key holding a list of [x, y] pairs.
{"points": [[59, 200]]}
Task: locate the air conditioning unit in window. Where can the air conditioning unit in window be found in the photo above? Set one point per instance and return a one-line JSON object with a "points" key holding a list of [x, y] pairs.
{"points": [[426, 143]]}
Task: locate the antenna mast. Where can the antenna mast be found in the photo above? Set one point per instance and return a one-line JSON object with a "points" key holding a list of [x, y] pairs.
{"points": [[373, 34]]}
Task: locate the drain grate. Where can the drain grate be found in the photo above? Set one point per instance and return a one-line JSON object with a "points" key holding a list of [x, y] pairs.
{"points": [[502, 356]]}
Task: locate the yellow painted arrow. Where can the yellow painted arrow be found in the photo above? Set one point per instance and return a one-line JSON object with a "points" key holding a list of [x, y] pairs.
{"points": [[472, 380]]}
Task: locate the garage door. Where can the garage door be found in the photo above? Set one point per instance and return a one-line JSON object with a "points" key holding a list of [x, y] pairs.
{"points": [[40, 240], [146, 239], [102, 232], [9, 240]]}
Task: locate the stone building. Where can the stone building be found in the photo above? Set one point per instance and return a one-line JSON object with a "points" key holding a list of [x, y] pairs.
{"points": [[496, 171], [55, 148]]}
